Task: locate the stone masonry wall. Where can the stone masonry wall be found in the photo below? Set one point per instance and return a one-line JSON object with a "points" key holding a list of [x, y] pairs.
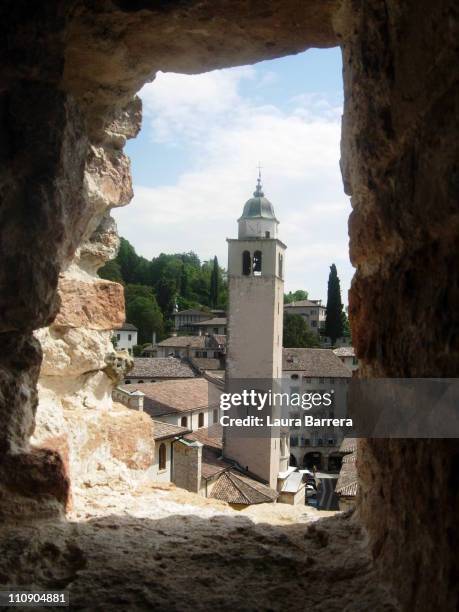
{"points": [[400, 165], [187, 465]]}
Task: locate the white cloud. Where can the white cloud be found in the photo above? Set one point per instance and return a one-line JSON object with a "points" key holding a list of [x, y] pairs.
{"points": [[226, 135]]}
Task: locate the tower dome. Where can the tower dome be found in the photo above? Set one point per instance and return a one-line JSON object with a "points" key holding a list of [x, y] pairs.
{"points": [[258, 219]]}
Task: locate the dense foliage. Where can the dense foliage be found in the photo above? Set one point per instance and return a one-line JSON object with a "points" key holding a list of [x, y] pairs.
{"points": [[297, 333], [295, 296], [153, 287]]}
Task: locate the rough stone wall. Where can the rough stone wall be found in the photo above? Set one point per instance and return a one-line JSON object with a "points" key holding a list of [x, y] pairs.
{"points": [[400, 164]]}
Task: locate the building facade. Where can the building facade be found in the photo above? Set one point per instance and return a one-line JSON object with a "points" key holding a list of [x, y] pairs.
{"points": [[308, 370], [311, 311], [126, 337]]}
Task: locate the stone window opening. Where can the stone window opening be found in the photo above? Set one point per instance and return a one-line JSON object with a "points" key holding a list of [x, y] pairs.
{"points": [[184, 422], [201, 419], [162, 457], [246, 263]]}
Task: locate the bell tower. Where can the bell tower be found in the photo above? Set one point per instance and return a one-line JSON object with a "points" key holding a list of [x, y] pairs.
{"points": [[255, 322]]}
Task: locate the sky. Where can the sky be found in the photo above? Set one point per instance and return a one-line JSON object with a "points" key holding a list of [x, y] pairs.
{"points": [[195, 161]]}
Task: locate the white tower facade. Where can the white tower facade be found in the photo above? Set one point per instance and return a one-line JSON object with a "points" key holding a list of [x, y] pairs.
{"points": [[255, 323]]}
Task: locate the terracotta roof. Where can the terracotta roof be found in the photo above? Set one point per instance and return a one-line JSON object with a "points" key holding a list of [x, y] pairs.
{"points": [[314, 363], [213, 463], [192, 311], [204, 363], [303, 304], [208, 341], [126, 327], [347, 483], [235, 488], [172, 396], [208, 436], [167, 430], [345, 351], [160, 367], [210, 322]]}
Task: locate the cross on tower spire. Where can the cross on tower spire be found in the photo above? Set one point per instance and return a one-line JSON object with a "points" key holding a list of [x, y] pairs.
{"points": [[259, 191]]}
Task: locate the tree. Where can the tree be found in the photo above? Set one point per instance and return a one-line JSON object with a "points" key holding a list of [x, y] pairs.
{"points": [[146, 316], [166, 291], [111, 271], [297, 333], [128, 261], [214, 284], [334, 320], [295, 296]]}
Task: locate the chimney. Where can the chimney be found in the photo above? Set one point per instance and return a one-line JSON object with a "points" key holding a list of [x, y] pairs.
{"points": [[187, 465], [136, 400]]}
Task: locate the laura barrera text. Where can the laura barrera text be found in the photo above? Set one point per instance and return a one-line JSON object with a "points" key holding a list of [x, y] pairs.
{"points": [[305, 421]]}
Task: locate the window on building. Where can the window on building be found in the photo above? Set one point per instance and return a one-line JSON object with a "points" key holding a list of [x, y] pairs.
{"points": [[215, 330], [294, 376], [307, 380], [320, 441], [184, 422], [314, 323], [204, 353], [267, 234], [331, 441], [162, 456], [201, 419], [246, 263], [332, 381], [129, 337], [257, 263], [313, 311], [140, 381], [293, 441], [215, 415], [321, 381], [281, 266], [118, 336]]}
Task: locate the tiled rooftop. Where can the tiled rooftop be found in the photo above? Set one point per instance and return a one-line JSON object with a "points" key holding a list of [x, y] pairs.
{"points": [[160, 367], [172, 396], [235, 488], [313, 362], [167, 430]]}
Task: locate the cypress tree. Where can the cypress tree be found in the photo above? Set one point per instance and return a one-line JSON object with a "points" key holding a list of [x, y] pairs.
{"points": [[334, 321], [214, 284]]}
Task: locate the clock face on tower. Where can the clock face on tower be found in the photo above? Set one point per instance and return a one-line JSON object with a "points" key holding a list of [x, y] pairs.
{"points": [[253, 227]]}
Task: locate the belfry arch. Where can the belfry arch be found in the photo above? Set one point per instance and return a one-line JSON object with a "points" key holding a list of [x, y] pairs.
{"points": [[68, 106]]}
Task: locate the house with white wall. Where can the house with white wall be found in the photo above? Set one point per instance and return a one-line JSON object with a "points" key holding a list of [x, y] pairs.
{"points": [[126, 337]]}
